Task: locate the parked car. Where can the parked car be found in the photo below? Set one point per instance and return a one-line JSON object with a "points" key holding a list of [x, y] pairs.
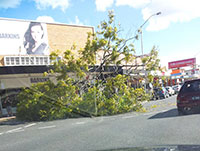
{"points": [[188, 99], [176, 88], [160, 93], [170, 90]]}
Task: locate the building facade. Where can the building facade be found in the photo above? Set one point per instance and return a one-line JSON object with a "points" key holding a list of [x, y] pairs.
{"points": [[25, 47]]}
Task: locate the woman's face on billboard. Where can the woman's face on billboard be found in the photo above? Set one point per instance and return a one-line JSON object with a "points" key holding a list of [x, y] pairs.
{"points": [[36, 33]]}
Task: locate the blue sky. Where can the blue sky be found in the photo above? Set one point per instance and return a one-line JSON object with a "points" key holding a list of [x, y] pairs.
{"points": [[175, 32]]}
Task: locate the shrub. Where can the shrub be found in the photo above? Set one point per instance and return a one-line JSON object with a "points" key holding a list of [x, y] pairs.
{"points": [[49, 101]]}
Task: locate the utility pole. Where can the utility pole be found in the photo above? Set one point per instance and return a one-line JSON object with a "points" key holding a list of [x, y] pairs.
{"points": [[140, 31]]}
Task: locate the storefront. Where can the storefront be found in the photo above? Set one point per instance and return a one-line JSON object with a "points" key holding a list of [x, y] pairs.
{"points": [[22, 62], [11, 84]]}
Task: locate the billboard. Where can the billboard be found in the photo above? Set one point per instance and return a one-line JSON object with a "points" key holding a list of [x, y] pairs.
{"points": [[182, 63], [23, 38]]}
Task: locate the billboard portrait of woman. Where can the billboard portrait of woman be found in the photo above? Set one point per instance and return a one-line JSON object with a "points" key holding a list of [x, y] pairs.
{"points": [[34, 40]]}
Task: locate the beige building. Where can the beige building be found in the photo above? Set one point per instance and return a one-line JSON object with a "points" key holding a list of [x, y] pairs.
{"points": [[25, 49], [24, 52]]}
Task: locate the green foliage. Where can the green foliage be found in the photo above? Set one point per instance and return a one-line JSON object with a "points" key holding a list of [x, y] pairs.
{"points": [[47, 101], [107, 39], [112, 97], [73, 94], [151, 61]]}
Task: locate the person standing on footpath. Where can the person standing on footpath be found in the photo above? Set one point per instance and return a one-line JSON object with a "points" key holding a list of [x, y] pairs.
{"points": [[8, 106]]}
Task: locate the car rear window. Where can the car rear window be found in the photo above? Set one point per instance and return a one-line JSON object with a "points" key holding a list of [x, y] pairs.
{"points": [[193, 86]]}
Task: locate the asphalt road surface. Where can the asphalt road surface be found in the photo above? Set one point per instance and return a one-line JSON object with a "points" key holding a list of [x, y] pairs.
{"points": [[160, 125]]}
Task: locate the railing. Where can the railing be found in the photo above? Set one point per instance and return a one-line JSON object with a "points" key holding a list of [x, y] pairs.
{"points": [[27, 60]]}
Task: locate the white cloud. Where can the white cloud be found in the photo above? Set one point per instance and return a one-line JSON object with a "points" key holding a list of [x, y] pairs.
{"points": [[132, 3], [47, 19], [9, 3], [43, 4], [102, 5], [77, 21], [172, 11]]}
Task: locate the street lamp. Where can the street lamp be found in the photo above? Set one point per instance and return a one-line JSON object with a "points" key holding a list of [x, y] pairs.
{"points": [[140, 29]]}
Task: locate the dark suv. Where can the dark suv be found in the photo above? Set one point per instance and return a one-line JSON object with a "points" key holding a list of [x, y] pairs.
{"points": [[188, 99]]}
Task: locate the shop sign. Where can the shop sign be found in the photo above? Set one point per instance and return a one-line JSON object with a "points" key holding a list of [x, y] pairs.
{"points": [[37, 80], [182, 63], [176, 71], [176, 74]]}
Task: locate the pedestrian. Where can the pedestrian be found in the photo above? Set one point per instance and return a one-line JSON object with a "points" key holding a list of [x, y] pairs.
{"points": [[8, 106]]}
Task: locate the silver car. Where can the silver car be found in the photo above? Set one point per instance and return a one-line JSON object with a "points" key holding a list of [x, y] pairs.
{"points": [[170, 90]]}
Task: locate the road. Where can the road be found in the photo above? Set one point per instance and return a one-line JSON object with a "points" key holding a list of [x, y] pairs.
{"points": [[160, 125]]}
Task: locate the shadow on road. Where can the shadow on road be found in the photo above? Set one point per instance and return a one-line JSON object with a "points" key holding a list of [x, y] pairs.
{"points": [[171, 113], [167, 114]]}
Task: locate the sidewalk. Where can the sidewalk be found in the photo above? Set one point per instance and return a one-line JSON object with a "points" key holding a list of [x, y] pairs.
{"points": [[9, 121], [3, 119]]}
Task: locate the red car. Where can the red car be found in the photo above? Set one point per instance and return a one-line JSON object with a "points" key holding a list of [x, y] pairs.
{"points": [[188, 99]]}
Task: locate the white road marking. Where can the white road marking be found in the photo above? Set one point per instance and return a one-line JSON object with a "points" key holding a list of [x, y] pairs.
{"points": [[125, 117], [18, 131], [105, 117], [150, 113], [78, 123], [165, 110], [29, 125], [45, 127], [13, 130]]}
